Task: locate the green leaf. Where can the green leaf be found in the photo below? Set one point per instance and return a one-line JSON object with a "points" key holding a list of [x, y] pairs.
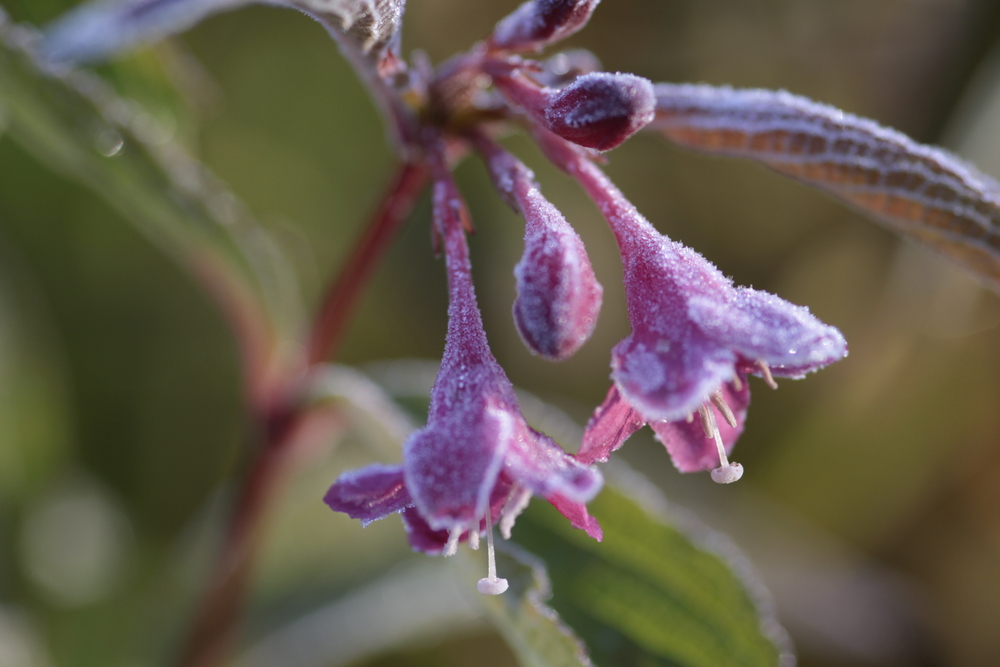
{"points": [[533, 630], [651, 593], [77, 125]]}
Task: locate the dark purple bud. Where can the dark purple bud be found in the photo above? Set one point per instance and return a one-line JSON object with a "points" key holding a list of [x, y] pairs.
{"points": [[601, 110], [538, 23]]}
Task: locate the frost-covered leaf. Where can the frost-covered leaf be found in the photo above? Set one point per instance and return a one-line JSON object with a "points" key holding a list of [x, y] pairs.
{"points": [[534, 630], [100, 28], [651, 593], [922, 192]]}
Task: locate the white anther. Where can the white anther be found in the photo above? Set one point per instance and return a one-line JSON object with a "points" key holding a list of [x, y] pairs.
{"points": [[451, 547], [737, 383], [491, 585], [512, 509], [727, 474], [474, 539]]}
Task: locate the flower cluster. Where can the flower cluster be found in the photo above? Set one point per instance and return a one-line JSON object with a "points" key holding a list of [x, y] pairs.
{"points": [[696, 338]]}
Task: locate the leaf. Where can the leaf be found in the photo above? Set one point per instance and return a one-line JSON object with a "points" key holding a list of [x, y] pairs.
{"points": [[74, 123], [533, 630], [99, 29], [651, 593], [921, 192]]}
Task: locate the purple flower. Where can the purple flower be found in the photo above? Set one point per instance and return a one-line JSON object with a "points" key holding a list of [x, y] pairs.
{"points": [[695, 337], [477, 459]]}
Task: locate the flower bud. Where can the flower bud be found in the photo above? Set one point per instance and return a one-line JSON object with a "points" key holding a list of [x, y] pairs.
{"points": [[538, 23], [601, 110], [558, 296]]}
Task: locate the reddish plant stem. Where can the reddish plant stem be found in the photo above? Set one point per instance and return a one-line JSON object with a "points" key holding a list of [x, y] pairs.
{"points": [[283, 420], [329, 329]]}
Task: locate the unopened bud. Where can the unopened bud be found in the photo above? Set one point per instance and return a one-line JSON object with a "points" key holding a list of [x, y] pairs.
{"points": [[538, 23], [601, 110], [558, 296]]}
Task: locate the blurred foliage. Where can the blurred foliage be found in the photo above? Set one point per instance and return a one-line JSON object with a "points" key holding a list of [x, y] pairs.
{"points": [[869, 503]]}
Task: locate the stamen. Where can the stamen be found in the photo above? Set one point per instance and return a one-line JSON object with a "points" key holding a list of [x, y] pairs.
{"points": [[451, 547], [707, 420], [491, 585], [737, 383], [474, 538], [720, 403], [690, 417], [727, 473], [765, 370], [512, 509]]}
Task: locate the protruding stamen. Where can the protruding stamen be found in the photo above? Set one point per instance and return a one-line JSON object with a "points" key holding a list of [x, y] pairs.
{"points": [[720, 403], [737, 383], [474, 539], [491, 585], [765, 371], [690, 417], [451, 546], [512, 509], [727, 472]]}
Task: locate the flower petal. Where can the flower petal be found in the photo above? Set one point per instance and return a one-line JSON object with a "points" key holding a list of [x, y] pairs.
{"points": [[759, 325], [451, 468], [608, 429], [689, 448], [577, 515], [369, 494], [540, 465], [421, 536]]}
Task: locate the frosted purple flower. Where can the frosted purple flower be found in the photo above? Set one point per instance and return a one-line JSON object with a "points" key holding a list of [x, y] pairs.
{"points": [[695, 336], [477, 459]]}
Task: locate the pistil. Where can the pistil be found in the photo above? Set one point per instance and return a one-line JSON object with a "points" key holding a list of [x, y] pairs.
{"points": [[727, 472], [491, 585]]}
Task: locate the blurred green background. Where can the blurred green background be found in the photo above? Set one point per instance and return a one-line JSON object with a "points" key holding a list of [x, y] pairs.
{"points": [[869, 504]]}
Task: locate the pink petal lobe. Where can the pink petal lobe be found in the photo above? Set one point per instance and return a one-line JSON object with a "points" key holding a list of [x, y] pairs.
{"points": [[610, 426], [759, 325], [541, 466], [689, 448], [577, 515], [421, 536], [369, 494]]}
